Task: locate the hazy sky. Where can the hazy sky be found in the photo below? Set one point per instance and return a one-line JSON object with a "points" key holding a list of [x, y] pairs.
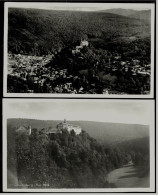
{"points": [[82, 6], [122, 111]]}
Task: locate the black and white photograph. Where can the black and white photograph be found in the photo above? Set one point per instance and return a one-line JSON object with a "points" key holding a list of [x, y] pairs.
{"points": [[77, 145], [79, 49], [78, 97]]}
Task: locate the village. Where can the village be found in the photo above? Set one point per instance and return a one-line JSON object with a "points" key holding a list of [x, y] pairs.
{"points": [[32, 69]]}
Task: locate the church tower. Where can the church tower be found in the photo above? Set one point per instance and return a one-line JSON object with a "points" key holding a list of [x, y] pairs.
{"points": [[29, 130], [65, 124]]}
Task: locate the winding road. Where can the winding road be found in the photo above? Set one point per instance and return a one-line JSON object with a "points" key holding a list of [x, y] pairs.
{"points": [[127, 177]]}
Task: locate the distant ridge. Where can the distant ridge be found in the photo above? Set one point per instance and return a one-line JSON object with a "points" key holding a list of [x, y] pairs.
{"points": [[137, 14], [49, 30], [104, 132], [120, 11]]}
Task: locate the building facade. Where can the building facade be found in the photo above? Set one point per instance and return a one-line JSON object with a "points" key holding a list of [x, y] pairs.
{"points": [[64, 125]]}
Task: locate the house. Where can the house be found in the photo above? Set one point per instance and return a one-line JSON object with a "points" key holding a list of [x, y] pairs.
{"points": [[148, 65], [105, 91], [23, 129], [79, 47], [84, 43], [126, 69], [117, 57], [143, 73], [73, 51], [30, 91], [135, 62], [123, 63]]}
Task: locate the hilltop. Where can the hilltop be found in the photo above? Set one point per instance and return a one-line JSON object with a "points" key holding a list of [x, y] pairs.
{"points": [[106, 133]]}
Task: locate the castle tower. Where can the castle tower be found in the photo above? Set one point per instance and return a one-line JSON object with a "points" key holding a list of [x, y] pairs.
{"points": [[65, 125], [29, 130]]}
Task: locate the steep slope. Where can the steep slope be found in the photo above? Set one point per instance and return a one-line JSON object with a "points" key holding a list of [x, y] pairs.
{"points": [[114, 132]]}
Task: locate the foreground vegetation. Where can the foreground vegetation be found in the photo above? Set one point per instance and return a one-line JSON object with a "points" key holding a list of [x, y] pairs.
{"points": [[67, 160]]}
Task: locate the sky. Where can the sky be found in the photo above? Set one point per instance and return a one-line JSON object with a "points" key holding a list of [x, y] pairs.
{"points": [[82, 6], [117, 111]]}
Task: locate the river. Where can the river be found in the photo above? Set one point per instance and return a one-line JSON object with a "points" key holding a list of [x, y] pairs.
{"points": [[127, 177]]}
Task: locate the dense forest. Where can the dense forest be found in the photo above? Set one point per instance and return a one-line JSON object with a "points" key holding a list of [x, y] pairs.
{"points": [[142, 150], [41, 32], [67, 159]]}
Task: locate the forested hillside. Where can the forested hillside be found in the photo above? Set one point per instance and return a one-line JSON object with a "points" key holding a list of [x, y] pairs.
{"points": [[141, 145], [43, 31], [139, 151], [64, 160]]}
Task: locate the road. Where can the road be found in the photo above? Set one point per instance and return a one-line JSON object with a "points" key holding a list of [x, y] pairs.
{"points": [[127, 177]]}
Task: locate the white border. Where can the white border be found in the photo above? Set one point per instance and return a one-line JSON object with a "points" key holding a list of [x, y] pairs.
{"points": [[22, 4], [152, 149]]}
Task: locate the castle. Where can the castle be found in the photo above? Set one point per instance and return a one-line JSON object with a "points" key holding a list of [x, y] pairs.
{"points": [[61, 126], [83, 43], [69, 127]]}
